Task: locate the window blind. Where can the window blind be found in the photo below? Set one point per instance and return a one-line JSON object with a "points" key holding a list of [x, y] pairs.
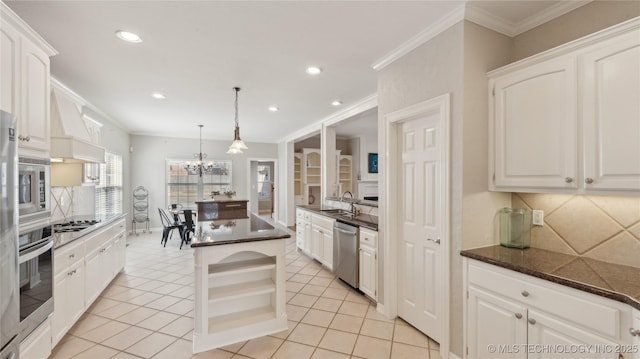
{"points": [[109, 191]]}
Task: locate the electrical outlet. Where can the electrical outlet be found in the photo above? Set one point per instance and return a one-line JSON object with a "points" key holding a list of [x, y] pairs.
{"points": [[538, 217]]}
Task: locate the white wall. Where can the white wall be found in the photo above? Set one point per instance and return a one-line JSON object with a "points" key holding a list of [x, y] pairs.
{"points": [[148, 164]]}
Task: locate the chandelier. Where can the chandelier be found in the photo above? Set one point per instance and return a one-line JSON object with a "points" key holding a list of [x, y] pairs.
{"points": [[198, 167], [238, 145]]}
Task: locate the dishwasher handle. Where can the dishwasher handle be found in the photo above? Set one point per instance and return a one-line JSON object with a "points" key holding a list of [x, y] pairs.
{"points": [[351, 233]]}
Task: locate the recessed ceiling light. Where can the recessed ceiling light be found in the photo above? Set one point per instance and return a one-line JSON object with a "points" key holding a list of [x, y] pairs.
{"points": [[336, 103], [313, 70], [158, 95], [128, 36], [273, 109]]}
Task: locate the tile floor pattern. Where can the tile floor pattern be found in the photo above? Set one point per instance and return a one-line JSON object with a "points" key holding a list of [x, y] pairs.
{"points": [[147, 312]]}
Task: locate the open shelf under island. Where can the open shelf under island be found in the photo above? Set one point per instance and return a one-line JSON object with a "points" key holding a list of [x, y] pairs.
{"points": [[240, 281]]}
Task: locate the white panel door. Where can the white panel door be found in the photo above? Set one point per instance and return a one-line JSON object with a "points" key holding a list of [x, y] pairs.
{"points": [[546, 331], [611, 114], [421, 204], [495, 322], [535, 126]]}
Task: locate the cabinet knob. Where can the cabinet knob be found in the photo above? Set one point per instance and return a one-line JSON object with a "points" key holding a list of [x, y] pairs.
{"points": [[518, 315], [28, 138], [531, 321], [634, 332], [568, 179], [525, 293], [588, 180], [72, 255]]}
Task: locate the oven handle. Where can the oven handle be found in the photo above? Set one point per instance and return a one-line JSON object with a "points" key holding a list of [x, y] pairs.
{"points": [[36, 252]]}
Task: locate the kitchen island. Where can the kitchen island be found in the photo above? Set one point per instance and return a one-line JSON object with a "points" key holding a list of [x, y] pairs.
{"points": [[240, 281]]}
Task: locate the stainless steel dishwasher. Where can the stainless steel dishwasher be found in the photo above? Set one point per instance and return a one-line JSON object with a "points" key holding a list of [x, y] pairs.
{"points": [[345, 252]]}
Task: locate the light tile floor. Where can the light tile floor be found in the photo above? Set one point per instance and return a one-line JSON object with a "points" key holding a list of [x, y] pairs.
{"points": [[147, 312]]}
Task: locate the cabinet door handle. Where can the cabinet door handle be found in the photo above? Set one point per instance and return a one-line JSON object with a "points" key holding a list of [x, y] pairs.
{"points": [[568, 179], [525, 293], [588, 180], [531, 321], [436, 241], [518, 315], [634, 332]]}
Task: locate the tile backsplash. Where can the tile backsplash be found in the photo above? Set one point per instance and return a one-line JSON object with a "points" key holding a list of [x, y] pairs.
{"points": [[599, 227], [67, 202]]}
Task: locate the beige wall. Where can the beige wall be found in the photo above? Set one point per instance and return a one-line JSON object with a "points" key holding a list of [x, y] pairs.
{"points": [[585, 20], [599, 227], [431, 70]]}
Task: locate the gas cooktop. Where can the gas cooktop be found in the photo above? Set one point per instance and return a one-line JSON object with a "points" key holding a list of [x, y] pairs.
{"points": [[74, 226]]}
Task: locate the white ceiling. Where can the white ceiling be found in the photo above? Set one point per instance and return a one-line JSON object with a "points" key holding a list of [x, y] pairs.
{"points": [[195, 52]]}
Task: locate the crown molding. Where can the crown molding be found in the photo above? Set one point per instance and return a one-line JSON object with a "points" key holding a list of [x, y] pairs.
{"points": [[548, 14], [511, 29], [364, 104], [8, 15], [425, 35]]}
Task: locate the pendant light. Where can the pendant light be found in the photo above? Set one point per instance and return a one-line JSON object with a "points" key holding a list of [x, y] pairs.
{"points": [[238, 145]]}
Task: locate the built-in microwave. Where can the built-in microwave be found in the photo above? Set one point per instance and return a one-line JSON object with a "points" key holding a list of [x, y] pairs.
{"points": [[33, 188]]}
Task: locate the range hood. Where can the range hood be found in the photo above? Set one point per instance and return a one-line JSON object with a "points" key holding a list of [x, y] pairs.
{"points": [[71, 139]]}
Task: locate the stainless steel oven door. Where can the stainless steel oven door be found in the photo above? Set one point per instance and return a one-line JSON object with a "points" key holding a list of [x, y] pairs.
{"points": [[33, 189], [36, 286]]}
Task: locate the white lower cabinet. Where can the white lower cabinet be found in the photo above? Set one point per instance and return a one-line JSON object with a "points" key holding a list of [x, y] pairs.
{"points": [[513, 315], [100, 263], [68, 290], [82, 270], [322, 239], [368, 259], [303, 230], [38, 344]]}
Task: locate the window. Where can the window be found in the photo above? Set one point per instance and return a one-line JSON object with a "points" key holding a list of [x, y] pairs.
{"points": [[264, 182], [109, 189], [182, 187]]}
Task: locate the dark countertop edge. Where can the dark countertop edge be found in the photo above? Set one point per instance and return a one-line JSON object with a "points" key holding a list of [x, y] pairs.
{"points": [[371, 226], [104, 221], [240, 240], [619, 297]]}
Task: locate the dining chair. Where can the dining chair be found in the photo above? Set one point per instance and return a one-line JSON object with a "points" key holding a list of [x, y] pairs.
{"points": [[189, 226], [168, 226]]}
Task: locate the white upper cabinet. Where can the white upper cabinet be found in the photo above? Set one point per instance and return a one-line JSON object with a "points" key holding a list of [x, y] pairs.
{"points": [[25, 82], [568, 120], [611, 114], [535, 126]]}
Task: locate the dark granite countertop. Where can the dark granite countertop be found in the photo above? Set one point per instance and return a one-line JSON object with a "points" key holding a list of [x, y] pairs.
{"points": [[362, 220], [231, 231], [61, 239], [613, 281]]}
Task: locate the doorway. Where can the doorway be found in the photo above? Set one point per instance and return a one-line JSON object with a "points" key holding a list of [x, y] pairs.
{"points": [[262, 188], [416, 211]]}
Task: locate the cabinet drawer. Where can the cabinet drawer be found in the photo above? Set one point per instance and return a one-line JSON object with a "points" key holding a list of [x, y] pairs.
{"points": [[98, 239], [300, 214], [118, 226], [68, 255], [323, 222], [598, 314], [368, 238]]}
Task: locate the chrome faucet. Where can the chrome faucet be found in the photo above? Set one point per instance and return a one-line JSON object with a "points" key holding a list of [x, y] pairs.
{"points": [[352, 205]]}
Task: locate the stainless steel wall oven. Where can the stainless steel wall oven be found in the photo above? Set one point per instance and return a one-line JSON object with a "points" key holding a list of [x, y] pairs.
{"points": [[35, 258], [33, 189]]}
